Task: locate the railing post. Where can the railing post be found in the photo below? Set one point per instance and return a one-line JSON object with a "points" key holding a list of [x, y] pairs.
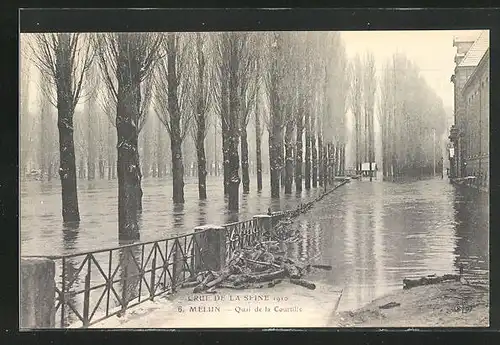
{"points": [[264, 224], [178, 264], [37, 293], [153, 273], [63, 289], [109, 280], [124, 280], [86, 295], [210, 253]]}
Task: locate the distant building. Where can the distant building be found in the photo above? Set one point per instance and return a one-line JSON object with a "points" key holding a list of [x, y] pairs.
{"points": [[469, 135], [365, 169]]}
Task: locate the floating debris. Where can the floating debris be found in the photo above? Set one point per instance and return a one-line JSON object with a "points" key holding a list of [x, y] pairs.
{"points": [[251, 267]]}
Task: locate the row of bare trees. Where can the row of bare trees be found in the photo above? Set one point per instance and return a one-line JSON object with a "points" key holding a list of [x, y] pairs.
{"points": [[288, 82], [412, 119], [362, 100], [306, 87]]}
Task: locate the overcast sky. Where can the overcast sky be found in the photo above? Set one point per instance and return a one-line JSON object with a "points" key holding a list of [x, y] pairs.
{"points": [[432, 51]]}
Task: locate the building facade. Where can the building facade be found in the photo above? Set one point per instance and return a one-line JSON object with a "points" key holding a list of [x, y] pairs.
{"points": [[476, 97], [469, 135]]}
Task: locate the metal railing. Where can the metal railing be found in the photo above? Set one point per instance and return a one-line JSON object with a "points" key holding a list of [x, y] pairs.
{"points": [[240, 235], [95, 285], [99, 284]]}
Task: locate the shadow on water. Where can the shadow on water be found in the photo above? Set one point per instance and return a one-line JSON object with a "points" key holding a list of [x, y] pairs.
{"points": [[202, 212], [178, 216], [471, 215], [72, 278]]}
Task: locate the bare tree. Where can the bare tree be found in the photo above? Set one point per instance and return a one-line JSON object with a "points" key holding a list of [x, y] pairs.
{"points": [[27, 124], [369, 90], [221, 52], [258, 128], [171, 103], [63, 59], [249, 80], [201, 102], [278, 87], [126, 61], [45, 146], [232, 54], [237, 44], [92, 85], [356, 95]]}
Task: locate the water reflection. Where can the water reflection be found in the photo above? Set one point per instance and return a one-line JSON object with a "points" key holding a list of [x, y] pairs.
{"points": [[377, 224], [72, 278], [202, 212], [376, 234], [471, 216], [177, 216], [372, 234]]}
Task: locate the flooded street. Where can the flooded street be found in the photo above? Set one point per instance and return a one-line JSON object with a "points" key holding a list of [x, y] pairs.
{"points": [[375, 234], [42, 231]]}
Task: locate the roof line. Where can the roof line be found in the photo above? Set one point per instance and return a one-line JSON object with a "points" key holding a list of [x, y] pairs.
{"points": [[481, 62], [472, 48]]}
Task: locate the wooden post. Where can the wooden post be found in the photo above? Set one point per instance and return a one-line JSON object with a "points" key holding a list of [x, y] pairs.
{"points": [[37, 293], [124, 280]]}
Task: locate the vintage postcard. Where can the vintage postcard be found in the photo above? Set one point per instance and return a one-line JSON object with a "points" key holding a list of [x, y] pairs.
{"points": [[260, 179]]}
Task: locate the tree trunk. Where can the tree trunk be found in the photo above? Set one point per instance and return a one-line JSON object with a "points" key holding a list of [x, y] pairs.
{"points": [[244, 160], [177, 170], [234, 126], [202, 169], [200, 155], [128, 165], [81, 169], [274, 159], [343, 159], [282, 167], [175, 124], [307, 121], [337, 160], [258, 143], [289, 157], [67, 169], [101, 166], [146, 150], [370, 144], [201, 123], [325, 166], [298, 151], [356, 119], [49, 171], [314, 154], [320, 160], [44, 138], [91, 141], [160, 153], [225, 132], [330, 162]]}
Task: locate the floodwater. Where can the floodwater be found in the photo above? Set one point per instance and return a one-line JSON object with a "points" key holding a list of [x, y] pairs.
{"points": [[375, 234], [42, 231]]}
